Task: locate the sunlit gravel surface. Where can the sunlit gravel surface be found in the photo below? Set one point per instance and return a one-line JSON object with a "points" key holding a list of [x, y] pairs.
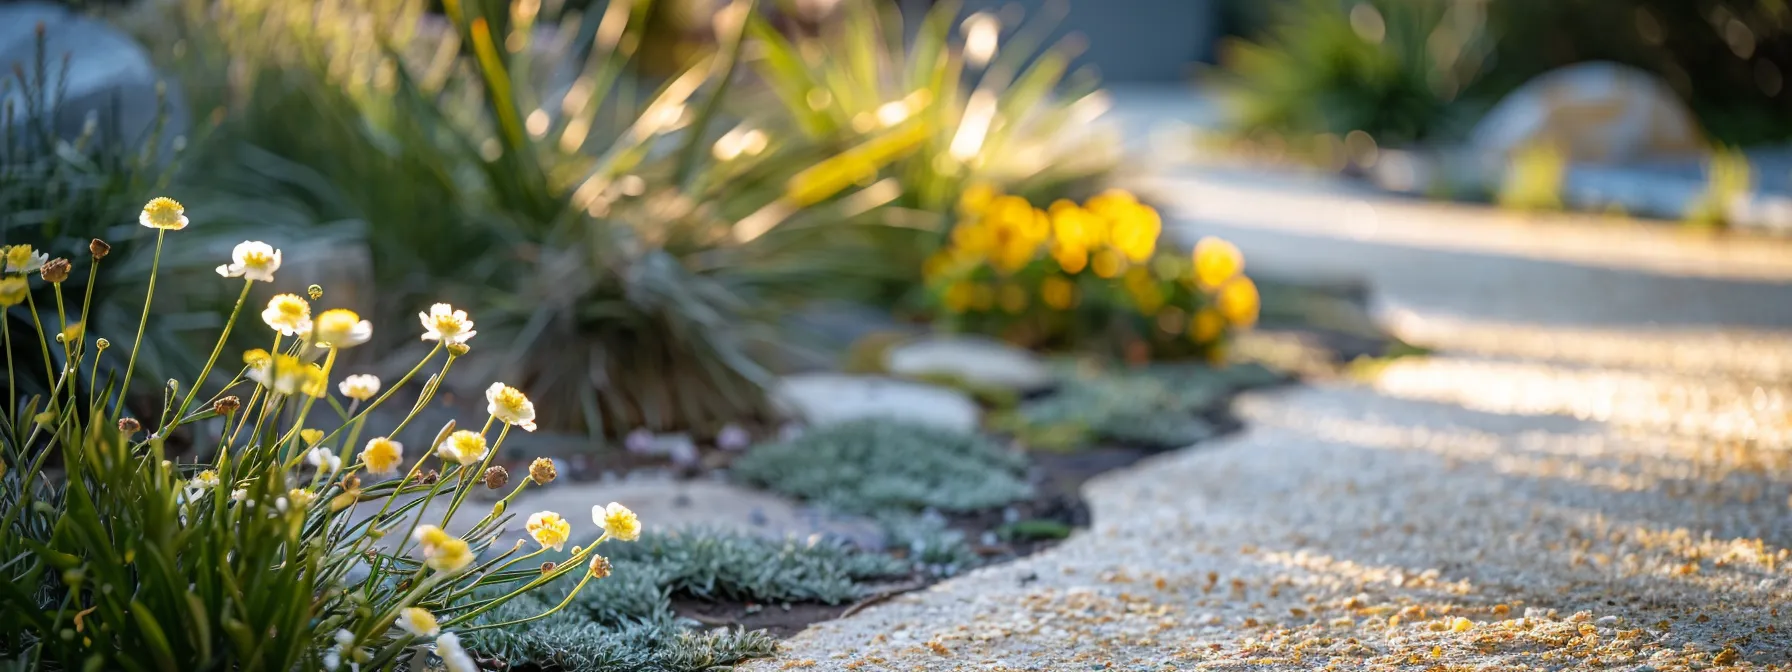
{"points": [[1480, 511]]}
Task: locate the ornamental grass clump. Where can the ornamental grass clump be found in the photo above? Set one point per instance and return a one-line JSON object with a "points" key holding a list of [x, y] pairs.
{"points": [[283, 543], [1090, 275]]}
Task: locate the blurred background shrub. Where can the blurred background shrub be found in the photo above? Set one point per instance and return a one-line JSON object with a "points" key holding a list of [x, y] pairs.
{"points": [[1412, 70]]}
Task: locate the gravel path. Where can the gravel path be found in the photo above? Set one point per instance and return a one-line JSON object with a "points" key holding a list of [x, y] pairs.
{"points": [[1349, 529], [1596, 474]]}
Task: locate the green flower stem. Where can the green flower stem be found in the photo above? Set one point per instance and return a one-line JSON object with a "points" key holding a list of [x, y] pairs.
{"points": [[542, 615], [577, 561], [93, 274], [12, 394], [130, 368], [394, 388], [504, 503], [434, 489], [216, 350], [490, 453], [43, 342]]}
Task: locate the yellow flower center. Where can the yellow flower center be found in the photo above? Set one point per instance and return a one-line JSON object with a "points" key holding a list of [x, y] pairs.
{"points": [[510, 399], [164, 212]]}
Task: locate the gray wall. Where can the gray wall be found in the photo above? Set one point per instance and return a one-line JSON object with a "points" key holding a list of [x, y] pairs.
{"points": [[1131, 40]]}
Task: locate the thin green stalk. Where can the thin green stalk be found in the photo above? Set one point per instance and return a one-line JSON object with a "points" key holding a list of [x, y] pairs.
{"points": [[42, 343], [12, 394], [394, 388], [216, 350], [490, 453], [542, 615], [93, 274], [577, 561], [130, 368]]}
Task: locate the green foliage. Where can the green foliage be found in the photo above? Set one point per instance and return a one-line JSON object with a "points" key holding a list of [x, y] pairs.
{"points": [[242, 556], [875, 466], [61, 192], [1389, 68], [579, 209], [626, 622], [1012, 119], [1159, 406]]}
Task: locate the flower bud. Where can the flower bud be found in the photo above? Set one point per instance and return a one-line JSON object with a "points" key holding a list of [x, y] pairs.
{"points": [[548, 567], [542, 471], [129, 425], [496, 477], [99, 248], [458, 349], [315, 292], [102, 344], [56, 270], [600, 566], [227, 405]]}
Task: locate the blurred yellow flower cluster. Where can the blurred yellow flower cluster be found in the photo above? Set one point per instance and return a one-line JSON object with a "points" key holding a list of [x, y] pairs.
{"points": [[1051, 277]]}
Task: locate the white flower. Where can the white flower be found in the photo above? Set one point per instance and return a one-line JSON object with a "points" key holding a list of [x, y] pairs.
{"points": [[239, 494], [454, 658], [163, 213], [360, 387], [252, 259], [205, 480], [509, 406], [324, 460], [463, 447], [24, 259], [617, 521], [418, 622], [445, 324], [340, 328], [288, 314]]}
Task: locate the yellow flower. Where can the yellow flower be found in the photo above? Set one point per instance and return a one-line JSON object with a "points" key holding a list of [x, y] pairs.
{"points": [[983, 297], [1013, 299], [617, 521], [300, 497], [73, 332], [252, 259], [449, 556], [462, 447], [359, 387], [1216, 261], [289, 314], [1238, 301], [1206, 326], [341, 328], [12, 290], [257, 358], [418, 622], [284, 374], [1071, 259], [509, 406], [1058, 292], [321, 458], [975, 198], [311, 436], [957, 297], [445, 324], [429, 537], [1107, 264], [549, 529], [1075, 227], [382, 456], [23, 259], [1135, 232], [163, 213], [205, 479], [315, 383]]}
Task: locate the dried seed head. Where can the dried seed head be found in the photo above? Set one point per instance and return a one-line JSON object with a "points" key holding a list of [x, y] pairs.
{"points": [[600, 566], [99, 248], [542, 471], [227, 405], [129, 425], [56, 270], [458, 349], [547, 567], [496, 477], [429, 477]]}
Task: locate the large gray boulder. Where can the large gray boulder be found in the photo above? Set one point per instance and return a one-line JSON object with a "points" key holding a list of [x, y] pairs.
{"points": [[830, 398], [1593, 112], [109, 77], [977, 361]]}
